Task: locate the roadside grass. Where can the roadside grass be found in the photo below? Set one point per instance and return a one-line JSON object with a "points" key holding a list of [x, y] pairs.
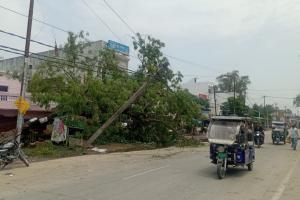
{"points": [[121, 147], [47, 150], [189, 142]]}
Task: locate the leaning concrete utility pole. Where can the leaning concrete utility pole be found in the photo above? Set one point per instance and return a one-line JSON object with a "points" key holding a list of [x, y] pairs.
{"points": [[130, 101], [24, 70]]}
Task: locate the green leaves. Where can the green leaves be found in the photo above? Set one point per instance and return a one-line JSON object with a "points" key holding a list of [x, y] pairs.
{"points": [[94, 88], [235, 106], [153, 62], [233, 81], [297, 101]]}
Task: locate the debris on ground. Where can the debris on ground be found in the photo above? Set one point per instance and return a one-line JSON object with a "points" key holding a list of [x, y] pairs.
{"points": [[99, 150]]}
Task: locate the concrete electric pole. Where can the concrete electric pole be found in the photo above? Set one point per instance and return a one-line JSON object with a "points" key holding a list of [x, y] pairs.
{"points": [[234, 95], [215, 100], [20, 120], [265, 111]]}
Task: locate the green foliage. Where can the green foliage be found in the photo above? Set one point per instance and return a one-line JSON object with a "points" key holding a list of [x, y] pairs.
{"points": [[94, 88], [263, 112], [232, 80], [234, 106], [153, 62], [82, 88], [297, 101], [48, 150]]}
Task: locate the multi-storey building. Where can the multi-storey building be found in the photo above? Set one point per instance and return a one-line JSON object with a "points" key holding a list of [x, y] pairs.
{"points": [[205, 90], [10, 88], [15, 64]]}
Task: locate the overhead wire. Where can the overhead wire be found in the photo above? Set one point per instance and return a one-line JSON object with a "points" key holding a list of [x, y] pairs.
{"points": [[34, 19], [274, 97], [263, 90], [38, 42], [103, 22], [100, 19], [51, 61], [38, 56], [155, 76], [119, 16], [167, 55], [24, 38]]}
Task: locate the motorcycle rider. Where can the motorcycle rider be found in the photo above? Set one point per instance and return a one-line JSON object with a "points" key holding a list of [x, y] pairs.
{"points": [[294, 136], [258, 127]]}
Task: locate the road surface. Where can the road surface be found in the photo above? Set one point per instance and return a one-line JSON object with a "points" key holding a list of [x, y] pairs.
{"points": [[171, 173]]}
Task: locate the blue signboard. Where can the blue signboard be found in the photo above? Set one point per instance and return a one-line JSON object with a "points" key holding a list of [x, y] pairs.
{"points": [[121, 48]]}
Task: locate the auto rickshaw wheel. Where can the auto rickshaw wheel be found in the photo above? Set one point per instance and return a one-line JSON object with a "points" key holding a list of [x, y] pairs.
{"points": [[250, 166], [221, 169]]}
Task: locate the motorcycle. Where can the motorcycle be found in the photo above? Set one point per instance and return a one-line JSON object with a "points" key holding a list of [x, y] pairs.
{"points": [[259, 138], [11, 151]]}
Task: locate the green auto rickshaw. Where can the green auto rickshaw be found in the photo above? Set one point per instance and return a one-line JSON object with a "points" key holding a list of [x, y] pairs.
{"points": [[279, 132]]}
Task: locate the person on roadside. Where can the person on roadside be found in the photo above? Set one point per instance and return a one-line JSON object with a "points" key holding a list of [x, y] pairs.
{"points": [[294, 136]]}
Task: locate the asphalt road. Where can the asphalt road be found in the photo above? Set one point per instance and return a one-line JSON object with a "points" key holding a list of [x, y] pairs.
{"points": [[160, 174]]}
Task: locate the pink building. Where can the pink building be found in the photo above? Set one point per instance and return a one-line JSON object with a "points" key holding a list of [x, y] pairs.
{"points": [[9, 92]]}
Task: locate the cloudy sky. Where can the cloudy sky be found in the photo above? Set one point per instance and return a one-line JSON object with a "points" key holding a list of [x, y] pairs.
{"points": [[260, 38]]}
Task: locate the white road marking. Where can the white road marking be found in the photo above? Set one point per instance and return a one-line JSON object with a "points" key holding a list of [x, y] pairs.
{"points": [[277, 195], [145, 172]]}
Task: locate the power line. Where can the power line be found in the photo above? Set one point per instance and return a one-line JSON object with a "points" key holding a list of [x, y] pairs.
{"points": [[38, 42], [56, 59], [119, 16], [280, 97], [14, 52], [55, 62], [169, 56], [35, 41], [270, 90], [22, 37], [129, 70], [192, 63], [100, 19], [103, 22], [108, 27], [34, 19]]}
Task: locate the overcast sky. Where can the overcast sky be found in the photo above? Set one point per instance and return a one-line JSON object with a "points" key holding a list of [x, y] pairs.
{"points": [[260, 38]]}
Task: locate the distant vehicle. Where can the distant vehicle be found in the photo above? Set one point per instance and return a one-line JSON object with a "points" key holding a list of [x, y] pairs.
{"points": [[279, 132], [259, 138], [228, 137], [258, 135]]}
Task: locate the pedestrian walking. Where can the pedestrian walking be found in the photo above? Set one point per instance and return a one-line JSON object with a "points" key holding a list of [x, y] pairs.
{"points": [[294, 136]]}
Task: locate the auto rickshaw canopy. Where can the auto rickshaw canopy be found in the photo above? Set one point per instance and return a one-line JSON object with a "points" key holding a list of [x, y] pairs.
{"points": [[224, 129]]}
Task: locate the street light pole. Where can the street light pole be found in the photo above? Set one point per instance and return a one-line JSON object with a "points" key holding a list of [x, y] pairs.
{"points": [[20, 119]]}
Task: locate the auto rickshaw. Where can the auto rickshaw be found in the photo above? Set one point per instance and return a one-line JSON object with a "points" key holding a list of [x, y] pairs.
{"points": [[229, 138], [279, 132]]}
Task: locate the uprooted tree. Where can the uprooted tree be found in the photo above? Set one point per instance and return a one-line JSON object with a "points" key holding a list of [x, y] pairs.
{"points": [[93, 88]]}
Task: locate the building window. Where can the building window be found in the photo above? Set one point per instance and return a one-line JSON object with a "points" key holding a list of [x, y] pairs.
{"points": [[3, 88], [3, 98]]}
